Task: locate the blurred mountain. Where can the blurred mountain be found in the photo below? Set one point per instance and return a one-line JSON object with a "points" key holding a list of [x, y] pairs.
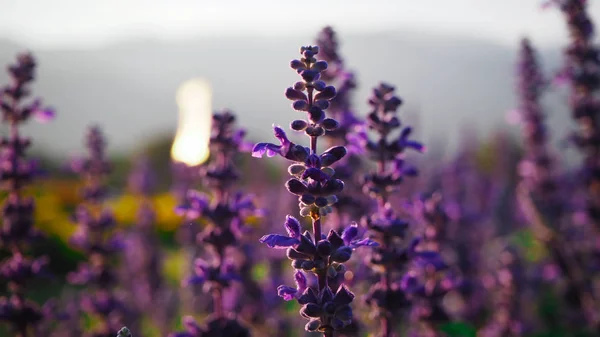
{"points": [[129, 87]]}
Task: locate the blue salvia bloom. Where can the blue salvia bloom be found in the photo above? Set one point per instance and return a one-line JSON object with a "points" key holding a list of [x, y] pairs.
{"points": [[388, 150], [313, 182], [16, 172], [225, 214], [95, 235]]}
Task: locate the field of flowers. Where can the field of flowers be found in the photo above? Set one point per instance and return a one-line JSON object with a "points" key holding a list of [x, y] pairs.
{"points": [[347, 226]]}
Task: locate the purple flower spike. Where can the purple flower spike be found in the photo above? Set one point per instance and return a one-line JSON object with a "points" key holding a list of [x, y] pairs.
{"points": [[224, 213], [314, 184]]}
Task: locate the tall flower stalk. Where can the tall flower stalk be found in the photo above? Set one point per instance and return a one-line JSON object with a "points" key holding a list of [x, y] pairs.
{"points": [[143, 255], [96, 237], [430, 279], [314, 183], [582, 72], [225, 217], [539, 181], [536, 166], [18, 234], [388, 151]]}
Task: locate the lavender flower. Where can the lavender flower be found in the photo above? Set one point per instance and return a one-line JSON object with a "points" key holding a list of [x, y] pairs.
{"points": [[582, 71], [430, 279], [142, 270], [316, 188], [536, 166], [391, 257], [226, 216], [16, 172], [96, 237]]}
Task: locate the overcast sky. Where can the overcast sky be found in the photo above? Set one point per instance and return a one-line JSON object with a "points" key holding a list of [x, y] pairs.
{"points": [[88, 23]]}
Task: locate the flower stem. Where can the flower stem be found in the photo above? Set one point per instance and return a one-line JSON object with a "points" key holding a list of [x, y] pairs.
{"points": [[317, 233]]}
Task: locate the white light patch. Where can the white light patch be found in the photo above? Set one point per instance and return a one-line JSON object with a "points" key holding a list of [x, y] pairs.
{"points": [[194, 98]]}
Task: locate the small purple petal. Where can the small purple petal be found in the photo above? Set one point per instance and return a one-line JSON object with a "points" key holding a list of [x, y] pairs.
{"points": [[287, 293], [301, 282], [350, 233], [363, 243], [292, 225], [279, 241]]}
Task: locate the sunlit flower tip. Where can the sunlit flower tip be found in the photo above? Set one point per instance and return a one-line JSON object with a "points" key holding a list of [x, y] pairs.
{"points": [[305, 211], [309, 75], [292, 225], [299, 125], [330, 124], [295, 95], [280, 134], [279, 241], [286, 292], [300, 105], [296, 187], [260, 149], [296, 169], [297, 65], [333, 155], [326, 94], [311, 310]]}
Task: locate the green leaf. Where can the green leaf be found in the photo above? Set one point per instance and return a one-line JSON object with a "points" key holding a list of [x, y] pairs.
{"points": [[459, 329]]}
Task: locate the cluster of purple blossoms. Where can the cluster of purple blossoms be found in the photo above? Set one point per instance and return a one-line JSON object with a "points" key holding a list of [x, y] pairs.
{"points": [[17, 233], [225, 216], [392, 257], [314, 183], [96, 237]]}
